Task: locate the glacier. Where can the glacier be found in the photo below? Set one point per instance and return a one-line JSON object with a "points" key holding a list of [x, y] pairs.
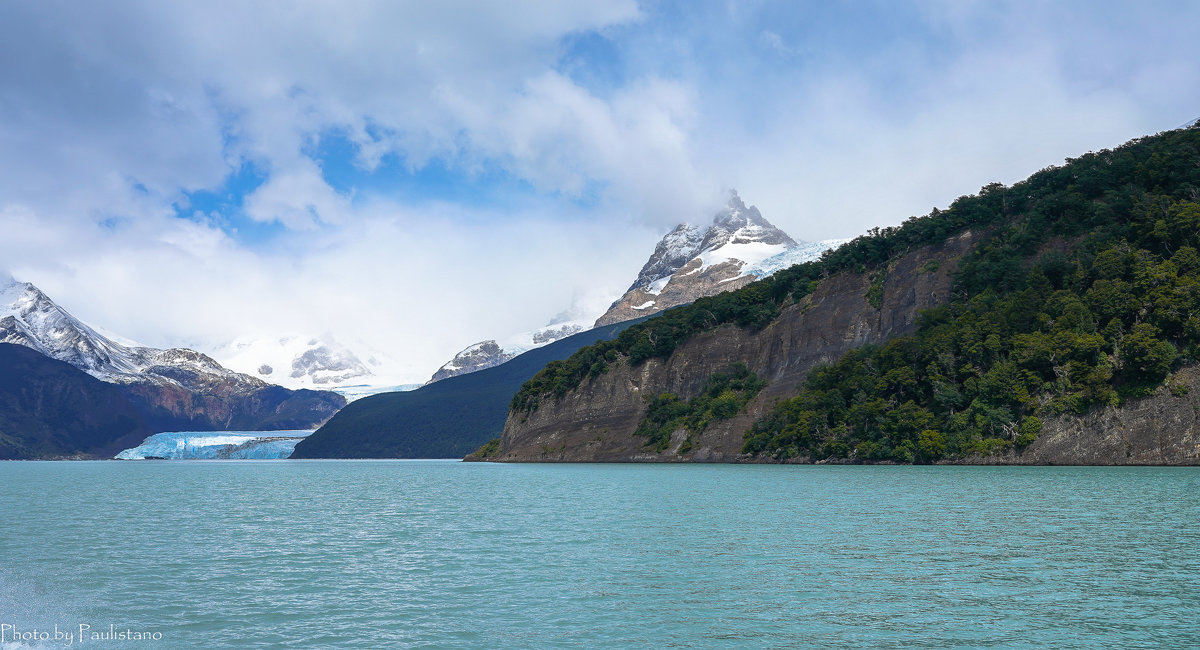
{"points": [[216, 445], [798, 254]]}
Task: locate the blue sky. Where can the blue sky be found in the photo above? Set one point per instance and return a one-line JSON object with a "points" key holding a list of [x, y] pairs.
{"points": [[420, 176]]}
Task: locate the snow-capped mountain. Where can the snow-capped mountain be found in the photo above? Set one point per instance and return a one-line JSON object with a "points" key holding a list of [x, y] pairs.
{"points": [[296, 361], [352, 369], [475, 357], [29, 317], [175, 386], [486, 354], [691, 262]]}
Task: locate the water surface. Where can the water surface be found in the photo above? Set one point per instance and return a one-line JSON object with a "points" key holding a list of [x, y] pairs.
{"points": [[410, 553]]}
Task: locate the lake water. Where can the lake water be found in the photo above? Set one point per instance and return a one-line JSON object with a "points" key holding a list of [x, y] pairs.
{"points": [[213, 554]]}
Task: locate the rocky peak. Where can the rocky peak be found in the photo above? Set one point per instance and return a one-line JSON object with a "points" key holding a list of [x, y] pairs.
{"points": [[739, 224], [485, 354], [672, 252], [691, 262]]}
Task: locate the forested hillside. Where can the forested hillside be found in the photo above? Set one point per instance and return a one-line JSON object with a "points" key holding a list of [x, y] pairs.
{"points": [[1083, 290]]}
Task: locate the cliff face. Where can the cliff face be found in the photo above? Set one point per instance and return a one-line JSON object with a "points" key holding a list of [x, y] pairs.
{"points": [[1163, 429], [596, 421]]}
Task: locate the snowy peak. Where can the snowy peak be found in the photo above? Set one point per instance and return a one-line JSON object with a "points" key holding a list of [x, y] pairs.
{"points": [[299, 361], [691, 262], [738, 224], [673, 251], [170, 388], [479, 356], [491, 353], [30, 318]]}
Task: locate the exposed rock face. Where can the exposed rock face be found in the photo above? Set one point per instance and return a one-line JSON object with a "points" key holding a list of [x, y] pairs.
{"points": [[596, 421], [485, 354], [173, 388], [692, 262], [1163, 429]]}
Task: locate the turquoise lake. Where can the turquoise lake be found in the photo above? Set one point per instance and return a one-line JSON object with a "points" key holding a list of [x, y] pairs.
{"points": [[213, 554]]}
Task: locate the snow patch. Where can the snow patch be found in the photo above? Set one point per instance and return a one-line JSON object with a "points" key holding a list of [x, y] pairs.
{"points": [[799, 254], [746, 254], [646, 305], [657, 286]]}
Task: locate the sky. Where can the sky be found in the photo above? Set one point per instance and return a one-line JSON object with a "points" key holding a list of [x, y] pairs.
{"points": [[413, 177]]}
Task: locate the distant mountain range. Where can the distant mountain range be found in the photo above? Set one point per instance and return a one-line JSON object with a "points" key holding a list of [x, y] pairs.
{"points": [[490, 353], [174, 389], [297, 361]]}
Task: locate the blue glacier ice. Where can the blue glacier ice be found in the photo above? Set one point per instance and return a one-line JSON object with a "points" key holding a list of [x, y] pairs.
{"points": [[192, 445]]}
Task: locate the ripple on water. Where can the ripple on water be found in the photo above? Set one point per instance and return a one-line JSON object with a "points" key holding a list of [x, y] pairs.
{"points": [[355, 553]]}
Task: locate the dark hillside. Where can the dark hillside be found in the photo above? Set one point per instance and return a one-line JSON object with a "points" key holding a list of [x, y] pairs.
{"points": [[50, 409], [446, 419]]}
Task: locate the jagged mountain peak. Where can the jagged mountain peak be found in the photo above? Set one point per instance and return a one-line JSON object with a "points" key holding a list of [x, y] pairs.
{"points": [[695, 261], [29, 317], [735, 223], [172, 387], [739, 224]]}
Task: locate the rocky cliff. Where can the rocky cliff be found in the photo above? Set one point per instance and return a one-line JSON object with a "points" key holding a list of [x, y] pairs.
{"points": [[596, 421], [1163, 429]]}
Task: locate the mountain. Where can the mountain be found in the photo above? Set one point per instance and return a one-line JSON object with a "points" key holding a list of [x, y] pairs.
{"points": [[691, 262], [50, 409], [297, 361], [488, 354], [175, 389], [444, 419], [1051, 322], [473, 358]]}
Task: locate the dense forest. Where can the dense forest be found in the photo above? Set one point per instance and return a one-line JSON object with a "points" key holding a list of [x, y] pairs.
{"points": [[1084, 291], [723, 395]]}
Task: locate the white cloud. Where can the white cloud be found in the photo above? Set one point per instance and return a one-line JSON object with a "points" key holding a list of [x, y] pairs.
{"points": [[111, 113], [297, 198]]}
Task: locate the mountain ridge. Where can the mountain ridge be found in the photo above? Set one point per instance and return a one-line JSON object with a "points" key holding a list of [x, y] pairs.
{"points": [[174, 388], [443, 419]]}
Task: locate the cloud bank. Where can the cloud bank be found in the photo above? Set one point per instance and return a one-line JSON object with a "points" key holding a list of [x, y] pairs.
{"points": [[421, 176]]}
